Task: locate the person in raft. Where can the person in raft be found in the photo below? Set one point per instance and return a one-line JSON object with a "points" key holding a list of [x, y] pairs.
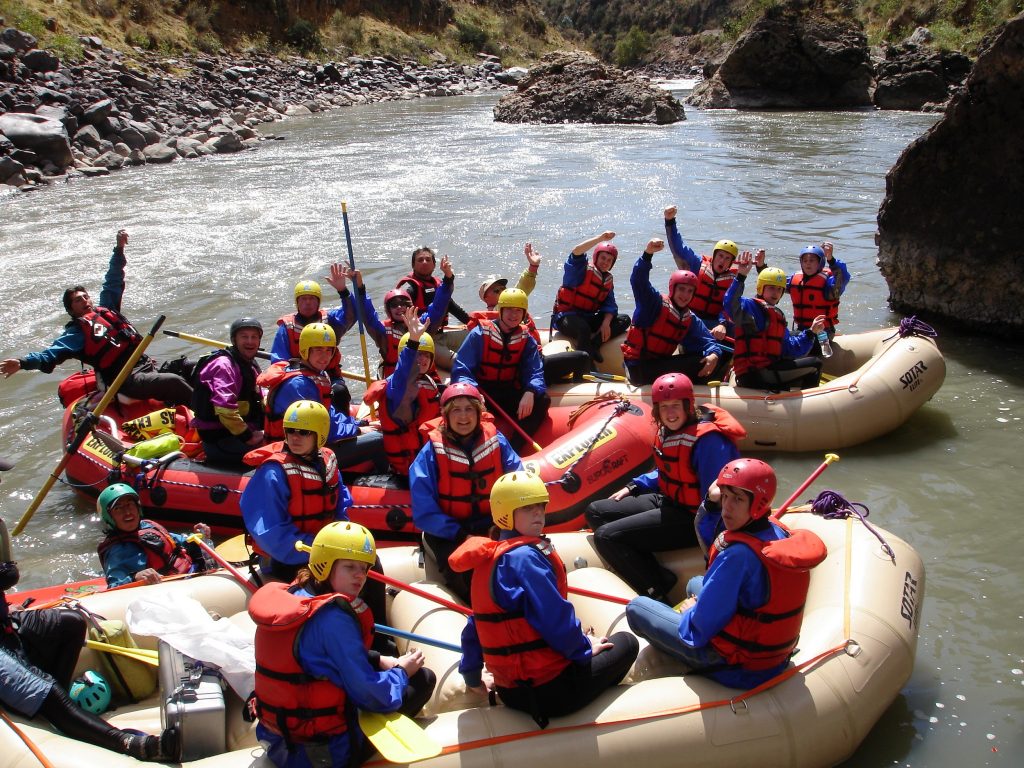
{"points": [[766, 355], [451, 478], [308, 297], [314, 666], [655, 512], [134, 549], [744, 622], [585, 308], [523, 628], [663, 324], [422, 286], [816, 288], [100, 336]]}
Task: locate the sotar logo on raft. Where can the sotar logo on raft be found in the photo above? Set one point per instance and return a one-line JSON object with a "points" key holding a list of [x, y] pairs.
{"points": [[908, 606], [567, 455], [912, 378]]}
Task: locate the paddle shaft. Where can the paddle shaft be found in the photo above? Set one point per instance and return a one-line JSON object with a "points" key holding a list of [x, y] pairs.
{"points": [[356, 299], [420, 592], [385, 629], [239, 576], [515, 424], [598, 596], [830, 458]]}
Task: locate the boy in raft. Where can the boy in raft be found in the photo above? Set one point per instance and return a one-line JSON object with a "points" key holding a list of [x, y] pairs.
{"points": [[422, 286], [655, 512], [815, 290], [451, 478], [100, 336], [766, 355], [523, 628], [662, 323], [585, 308], [134, 549], [308, 297], [743, 624], [314, 666], [306, 378]]}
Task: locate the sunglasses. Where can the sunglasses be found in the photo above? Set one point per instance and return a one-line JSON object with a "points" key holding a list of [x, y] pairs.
{"points": [[402, 304], [299, 432]]}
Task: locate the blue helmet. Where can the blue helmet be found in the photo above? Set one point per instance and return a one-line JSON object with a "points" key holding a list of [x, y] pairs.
{"points": [[91, 692], [817, 251]]}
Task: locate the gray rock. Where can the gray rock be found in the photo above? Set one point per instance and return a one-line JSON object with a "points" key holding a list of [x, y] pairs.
{"points": [[132, 137], [110, 160], [297, 110], [98, 112], [122, 149], [18, 40], [8, 167], [40, 61], [6, 52], [94, 170], [47, 138], [88, 136], [226, 143], [159, 153], [136, 157]]}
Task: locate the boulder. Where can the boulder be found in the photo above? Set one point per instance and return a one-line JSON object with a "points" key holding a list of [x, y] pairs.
{"points": [[41, 135], [159, 153], [949, 228], [9, 167], [41, 61], [575, 87], [98, 112], [18, 40], [912, 76]]}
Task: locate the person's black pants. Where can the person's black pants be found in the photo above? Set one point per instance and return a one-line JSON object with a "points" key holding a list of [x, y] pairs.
{"points": [[646, 371], [52, 639], [800, 372]]}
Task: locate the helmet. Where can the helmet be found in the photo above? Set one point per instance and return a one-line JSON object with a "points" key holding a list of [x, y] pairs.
{"points": [[460, 389], [395, 293], [728, 246], [672, 386], [91, 692], [751, 475], [426, 343], [316, 335], [490, 282], [512, 491], [340, 540], [244, 322], [111, 494], [308, 414], [606, 248], [513, 298], [817, 251], [681, 277], [771, 276], [308, 288]]}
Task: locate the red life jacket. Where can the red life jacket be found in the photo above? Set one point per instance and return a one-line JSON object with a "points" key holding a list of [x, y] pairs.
{"points": [[589, 295], [515, 652], [661, 338], [163, 554], [810, 300], [501, 355], [272, 379], [290, 702], [425, 288], [403, 441], [464, 481], [492, 315], [109, 341], [710, 292], [764, 638], [389, 349], [295, 324], [760, 349], [676, 476]]}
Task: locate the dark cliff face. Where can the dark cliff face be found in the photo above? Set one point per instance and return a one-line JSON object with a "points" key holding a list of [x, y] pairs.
{"points": [[951, 226]]}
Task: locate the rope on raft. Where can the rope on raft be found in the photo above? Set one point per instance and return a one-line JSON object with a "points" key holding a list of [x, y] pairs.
{"points": [[831, 505], [622, 405], [911, 326]]}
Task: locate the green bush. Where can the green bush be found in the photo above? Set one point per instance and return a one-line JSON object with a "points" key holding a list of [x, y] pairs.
{"points": [[631, 49], [470, 35], [304, 35]]}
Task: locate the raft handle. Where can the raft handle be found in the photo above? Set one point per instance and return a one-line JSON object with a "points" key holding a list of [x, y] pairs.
{"points": [[852, 648], [732, 706]]}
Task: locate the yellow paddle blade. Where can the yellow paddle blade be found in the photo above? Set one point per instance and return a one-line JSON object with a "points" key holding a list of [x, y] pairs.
{"points": [[398, 738], [138, 654], [234, 550]]}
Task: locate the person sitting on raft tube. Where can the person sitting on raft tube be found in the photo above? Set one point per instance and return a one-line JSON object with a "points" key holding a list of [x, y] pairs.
{"points": [[815, 290], [585, 308], [501, 358], [451, 478], [306, 378], [100, 336], [744, 621], [135, 549], [308, 297], [655, 512], [664, 323], [766, 355], [226, 402], [314, 666], [715, 273], [523, 628], [422, 287]]}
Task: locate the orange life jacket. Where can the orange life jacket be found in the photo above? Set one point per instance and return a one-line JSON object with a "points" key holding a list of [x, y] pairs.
{"points": [[464, 480], [589, 295], [710, 292], [403, 441], [810, 300], [109, 341], [490, 314], [760, 349], [425, 288], [389, 348], [501, 355], [295, 324], [272, 379], [676, 476], [163, 554], [661, 338]]}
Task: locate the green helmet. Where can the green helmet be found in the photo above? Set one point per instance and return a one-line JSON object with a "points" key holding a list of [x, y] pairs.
{"points": [[110, 495]]}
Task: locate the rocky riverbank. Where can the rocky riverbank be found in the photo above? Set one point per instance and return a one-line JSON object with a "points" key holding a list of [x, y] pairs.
{"points": [[62, 120]]}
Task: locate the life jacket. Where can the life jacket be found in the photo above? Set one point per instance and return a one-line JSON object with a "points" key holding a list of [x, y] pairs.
{"points": [[272, 379], [764, 638], [250, 404], [810, 300], [109, 341], [163, 554], [515, 652], [425, 288], [501, 354], [492, 315], [312, 492], [710, 292], [403, 441], [661, 338], [588, 296], [672, 452], [464, 480], [294, 324], [389, 349], [290, 702], [759, 349]]}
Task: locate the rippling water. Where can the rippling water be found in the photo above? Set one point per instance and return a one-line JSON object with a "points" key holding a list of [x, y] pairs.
{"points": [[214, 239]]}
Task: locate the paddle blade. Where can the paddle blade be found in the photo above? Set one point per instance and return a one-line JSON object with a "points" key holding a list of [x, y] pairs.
{"points": [[234, 550], [398, 738]]}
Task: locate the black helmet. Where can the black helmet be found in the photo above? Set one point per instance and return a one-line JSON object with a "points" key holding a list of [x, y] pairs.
{"points": [[245, 322]]}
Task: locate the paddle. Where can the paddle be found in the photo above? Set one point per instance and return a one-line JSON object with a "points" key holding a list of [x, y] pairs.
{"points": [[87, 424], [386, 630], [599, 596], [397, 737], [420, 592], [358, 304], [515, 424], [138, 654], [830, 458], [234, 550], [195, 537]]}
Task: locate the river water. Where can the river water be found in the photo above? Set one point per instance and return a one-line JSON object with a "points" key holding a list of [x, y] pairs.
{"points": [[231, 235]]}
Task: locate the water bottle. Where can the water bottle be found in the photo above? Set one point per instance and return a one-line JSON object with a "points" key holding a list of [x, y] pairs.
{"points": [[826, 347]]}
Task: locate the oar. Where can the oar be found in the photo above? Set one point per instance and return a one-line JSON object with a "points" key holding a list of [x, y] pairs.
{"points": [[420, 592], [515, 424], [138, 654], [386, 630], [397, 737], [830, 458], [87, 424], [599, 596], [234, 550], [195, 537], [358, 304]]}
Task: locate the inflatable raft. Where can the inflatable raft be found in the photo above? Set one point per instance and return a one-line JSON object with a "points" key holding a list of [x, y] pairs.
{"points": [[856, 651]]}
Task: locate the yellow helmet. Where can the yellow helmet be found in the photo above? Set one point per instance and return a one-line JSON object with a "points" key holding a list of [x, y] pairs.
{"points": [[340, 540], [513, 298], [311, 415], [512, 491], [771, 276], [316, 335], [308, 288], [728, 246], [426, 343]]}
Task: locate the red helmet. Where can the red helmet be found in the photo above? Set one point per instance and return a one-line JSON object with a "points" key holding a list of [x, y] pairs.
{"points": [[606, 248], [394, 293], [681, 277], [672, 386], [751, 475], [460, 389]]}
